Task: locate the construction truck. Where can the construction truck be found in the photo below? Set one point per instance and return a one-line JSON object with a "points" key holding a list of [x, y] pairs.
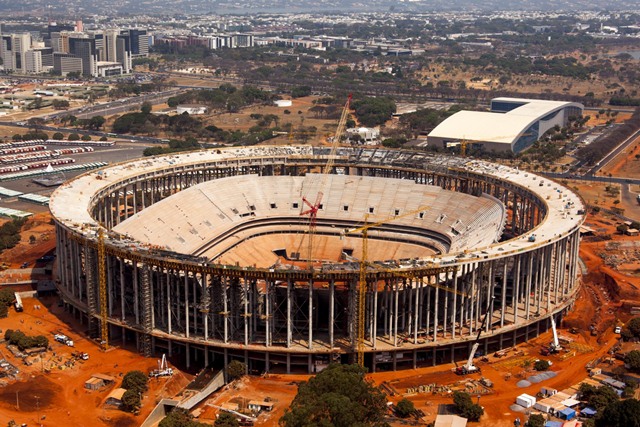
{"points": [[61, 338], [469, 367], [18, 303], [554, 347], [163, 369], [80, 355]]}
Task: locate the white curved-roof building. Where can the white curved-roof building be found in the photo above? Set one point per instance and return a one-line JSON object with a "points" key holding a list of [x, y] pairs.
{"points": [[513, 124]]}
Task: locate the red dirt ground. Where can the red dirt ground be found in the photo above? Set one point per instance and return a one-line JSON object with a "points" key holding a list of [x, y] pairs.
{"points": [[606, 296], [61, 396]]}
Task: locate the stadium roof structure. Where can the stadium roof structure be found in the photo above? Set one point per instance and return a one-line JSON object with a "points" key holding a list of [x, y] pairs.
{"points": [[508, 121]]}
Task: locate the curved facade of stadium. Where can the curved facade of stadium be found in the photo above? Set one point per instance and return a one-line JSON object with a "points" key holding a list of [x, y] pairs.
{"points": [[503, 243]]}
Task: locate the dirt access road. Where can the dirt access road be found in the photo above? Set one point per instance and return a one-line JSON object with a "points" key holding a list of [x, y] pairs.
{"points": [[59, 395]]}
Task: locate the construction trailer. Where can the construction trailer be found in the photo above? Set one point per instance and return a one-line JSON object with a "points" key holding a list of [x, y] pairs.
{"points": [[526, 400]]}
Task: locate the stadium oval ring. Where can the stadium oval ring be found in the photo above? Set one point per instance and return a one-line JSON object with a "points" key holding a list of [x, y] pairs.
{"points": [[418, 311]]}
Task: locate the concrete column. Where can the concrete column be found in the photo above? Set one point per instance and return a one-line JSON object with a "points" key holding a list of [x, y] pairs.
{"points": [[516, 285], [374, 328], [246, 311], [529, 274], [136, 293], [504, 295], [168, 302], [310, 314], [332, 290], [289, 320], [186, 304], [122, 308], [435, 314], [455, 305], [225, 304]]}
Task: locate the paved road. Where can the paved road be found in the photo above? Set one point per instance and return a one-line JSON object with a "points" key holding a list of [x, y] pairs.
{"points": [[111, 136], [609, 157], [629, 198], [119, 106], [587, 177]]}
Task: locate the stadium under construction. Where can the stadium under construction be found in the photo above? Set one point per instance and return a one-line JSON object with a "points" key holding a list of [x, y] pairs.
{"points": [[207, 256]]}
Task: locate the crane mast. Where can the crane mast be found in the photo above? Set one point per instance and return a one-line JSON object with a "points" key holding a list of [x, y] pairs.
{"points": [[362, 279], [312, 208]]}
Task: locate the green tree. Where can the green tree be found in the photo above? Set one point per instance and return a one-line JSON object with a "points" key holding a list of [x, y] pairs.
{"points": [[374, 111], [404, 408], [465, 406], [146, 108], [236, 369], [225, 419], [60, 104], [633, 326], [73, 137], [622, 228], [633, 360], [6, 298], [96, 122], [599, 398], [179, 417], [300, 91], [131, 400], [541, 365], [135, 380], [535, 420], [86, 138], [624, 413], [338, 396], [58, 136]]}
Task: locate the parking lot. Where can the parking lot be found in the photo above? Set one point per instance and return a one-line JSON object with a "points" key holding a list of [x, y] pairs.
{"points": [[121, 151]]}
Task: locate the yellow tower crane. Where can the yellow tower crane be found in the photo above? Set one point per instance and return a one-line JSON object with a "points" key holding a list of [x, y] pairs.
{"points": [[362, 279]]}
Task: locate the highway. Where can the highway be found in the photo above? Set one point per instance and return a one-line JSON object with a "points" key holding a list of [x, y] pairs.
{"points": [[117, 107], [132, 138], [609, 157]]}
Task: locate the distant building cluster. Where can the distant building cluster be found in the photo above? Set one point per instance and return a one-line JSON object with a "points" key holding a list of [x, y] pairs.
{"points": [[395, 47], [217, 41], [64, 49]]}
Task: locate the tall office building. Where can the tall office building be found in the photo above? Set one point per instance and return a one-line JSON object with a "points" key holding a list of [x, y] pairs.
{"points": [[84, 47], [13, 50], [33, 62], [139, 42], [99, 53], [65, 63]]}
